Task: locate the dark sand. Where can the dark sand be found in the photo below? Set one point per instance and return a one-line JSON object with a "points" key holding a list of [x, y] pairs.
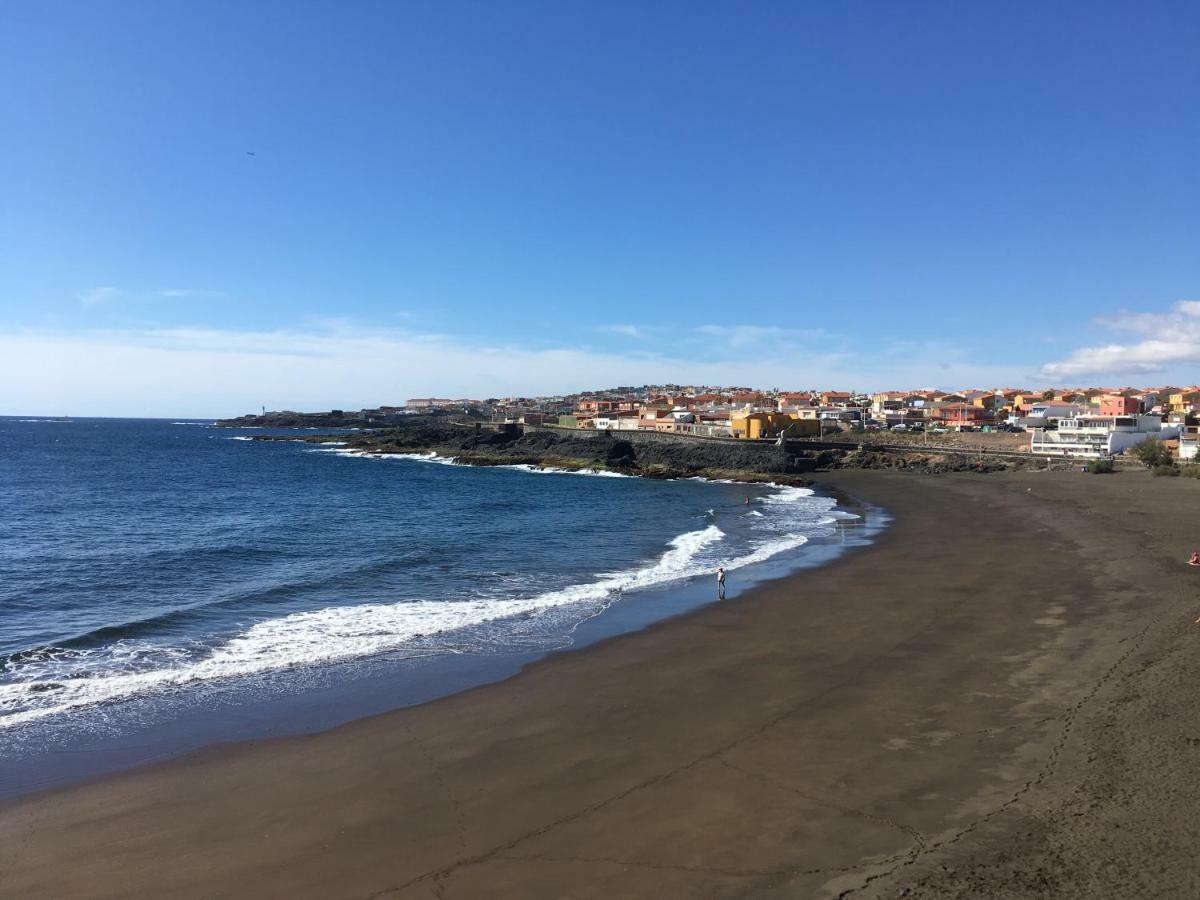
{"points": [[998, 700]]}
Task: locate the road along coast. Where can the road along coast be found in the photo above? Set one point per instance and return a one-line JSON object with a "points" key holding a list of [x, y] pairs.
{"points": [[997, 699]]}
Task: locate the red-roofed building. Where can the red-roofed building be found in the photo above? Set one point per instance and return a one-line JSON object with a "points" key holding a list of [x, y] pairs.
{"points": [[835, 398], [956, 415], [792, 398], [1119, 405]]}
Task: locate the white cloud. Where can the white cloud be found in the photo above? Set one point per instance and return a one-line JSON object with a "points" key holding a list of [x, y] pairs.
{"points": [[215, 372], [108, 294], [1170, 339], [176, 293], [92, 296], [632, 331]]}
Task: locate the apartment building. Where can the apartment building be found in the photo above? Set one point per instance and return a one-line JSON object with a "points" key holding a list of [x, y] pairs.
{"points": [[1094, 437]]}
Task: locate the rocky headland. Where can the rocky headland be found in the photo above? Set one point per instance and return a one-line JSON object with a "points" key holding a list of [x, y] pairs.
{"points": [[648, 455]]}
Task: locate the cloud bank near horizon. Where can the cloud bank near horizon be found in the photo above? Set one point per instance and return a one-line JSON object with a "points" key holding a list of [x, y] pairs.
{"points": [[1170, 339], [209, 372]]}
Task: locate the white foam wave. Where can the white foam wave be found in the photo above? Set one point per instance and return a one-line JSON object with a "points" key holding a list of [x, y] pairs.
{"points": [[551, 470], [124, 669], [767, 549], [785, 493], [432, 457], [328, 635]]}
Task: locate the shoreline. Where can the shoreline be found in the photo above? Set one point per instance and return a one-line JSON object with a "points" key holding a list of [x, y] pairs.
{"points": [[148, 730], [917, 720]]}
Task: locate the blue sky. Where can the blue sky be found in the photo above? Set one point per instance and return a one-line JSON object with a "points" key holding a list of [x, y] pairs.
{"points": [[488, 198]]}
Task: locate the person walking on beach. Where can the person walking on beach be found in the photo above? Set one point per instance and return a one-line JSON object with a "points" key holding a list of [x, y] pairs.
{"points": [[721, 583]]}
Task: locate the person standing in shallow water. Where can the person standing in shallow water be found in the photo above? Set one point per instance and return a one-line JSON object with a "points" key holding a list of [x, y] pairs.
{"points": [[721, 583]]}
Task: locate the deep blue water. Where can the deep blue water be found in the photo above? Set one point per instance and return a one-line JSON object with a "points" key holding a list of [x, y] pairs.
{"points": [[148, 567]]}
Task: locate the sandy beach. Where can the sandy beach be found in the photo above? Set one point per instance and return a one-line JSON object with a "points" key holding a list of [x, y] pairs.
{"points": [[996, 700]]}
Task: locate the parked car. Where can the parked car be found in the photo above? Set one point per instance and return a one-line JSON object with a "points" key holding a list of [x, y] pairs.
{"points": [[900, 427]]}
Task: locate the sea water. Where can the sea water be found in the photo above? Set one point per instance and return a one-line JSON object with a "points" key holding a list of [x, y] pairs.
{"points": [[151, 568]]}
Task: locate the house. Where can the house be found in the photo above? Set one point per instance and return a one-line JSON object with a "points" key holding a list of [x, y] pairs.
{"points": [[427, 403], [751, 426], [764, 425], [1089, 436], [957, 415], [746, 398], [1046, 414], [1189, 443], [839, 414], [793, 399], [987, 400], [835, 398], [596, 407], [888, 401], [1185, 399], [714, 424], [1023, 401], [656, 420], [1119, 405]]}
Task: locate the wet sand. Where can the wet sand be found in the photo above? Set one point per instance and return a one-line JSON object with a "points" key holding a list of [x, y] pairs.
{"points": [[995, 700]]}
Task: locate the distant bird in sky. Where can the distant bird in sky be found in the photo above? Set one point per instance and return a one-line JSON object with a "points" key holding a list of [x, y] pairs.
{"points": [[251, 153]]}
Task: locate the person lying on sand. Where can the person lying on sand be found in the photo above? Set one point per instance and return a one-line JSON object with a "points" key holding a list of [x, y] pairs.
{"points": [[1195, 560]]}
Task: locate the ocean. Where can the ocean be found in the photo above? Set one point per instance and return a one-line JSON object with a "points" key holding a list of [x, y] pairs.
{"points": [[167, 584]]}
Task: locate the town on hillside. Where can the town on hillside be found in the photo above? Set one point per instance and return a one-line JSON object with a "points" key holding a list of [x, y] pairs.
{"points": [[1088, 423]]}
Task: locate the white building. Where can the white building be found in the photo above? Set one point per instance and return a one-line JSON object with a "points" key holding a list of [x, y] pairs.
{"points": [[1189, 443], [1093, 437], [614, 422]]}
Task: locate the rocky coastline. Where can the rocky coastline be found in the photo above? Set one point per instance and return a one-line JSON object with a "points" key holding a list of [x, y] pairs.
{"points": [[648, 456]]}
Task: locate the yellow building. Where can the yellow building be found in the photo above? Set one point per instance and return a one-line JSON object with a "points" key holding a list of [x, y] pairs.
{"points": [[757, 426], [1182, 399]]}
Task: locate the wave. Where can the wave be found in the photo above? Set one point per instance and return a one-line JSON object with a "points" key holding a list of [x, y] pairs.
{"points": [[59, 679], [121, 662], [433, 457], [430, 456], [551, 470], [767, 549]]}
